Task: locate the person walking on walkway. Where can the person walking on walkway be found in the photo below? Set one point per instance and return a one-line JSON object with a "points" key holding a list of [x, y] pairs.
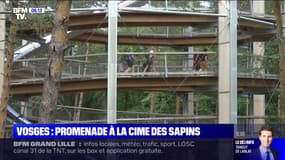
{"points": [[147, 65], [129, 59]]}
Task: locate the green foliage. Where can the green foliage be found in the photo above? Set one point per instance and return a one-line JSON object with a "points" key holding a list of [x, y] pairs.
{"points": [[271, 109], [157, 4], [245, 60], [242, 105], [96, 100], [128, 48], [67, 99], [269, 7], [179, 3], [152, 31], [271, 60], [244, 5], [165, 103], [133, 101], [39, 22], [206, 104], [41, 4]]}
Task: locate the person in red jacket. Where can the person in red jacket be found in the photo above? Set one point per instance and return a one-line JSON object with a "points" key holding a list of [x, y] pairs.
{"points": [[200, 61]]}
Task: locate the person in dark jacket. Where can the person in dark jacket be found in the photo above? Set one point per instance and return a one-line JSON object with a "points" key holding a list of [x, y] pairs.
{"points": [[129, 59]]}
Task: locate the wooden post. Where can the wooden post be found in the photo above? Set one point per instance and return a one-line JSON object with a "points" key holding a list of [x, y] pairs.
{"points": [[178, 106], [280, 38], [152, 102], [258, 52], [7, 71]]}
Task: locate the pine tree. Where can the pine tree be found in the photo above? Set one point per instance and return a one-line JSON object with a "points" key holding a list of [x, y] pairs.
{"points": [[55, 63]]}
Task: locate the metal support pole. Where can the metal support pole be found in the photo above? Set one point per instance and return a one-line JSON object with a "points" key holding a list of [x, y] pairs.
{"points": [[165, 66], [112, 62], [228, 62], [250, 113], [257, 52], [251, 7], [233, 61]]}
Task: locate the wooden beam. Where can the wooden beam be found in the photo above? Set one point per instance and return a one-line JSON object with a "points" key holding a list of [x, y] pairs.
{"points": [[139, 19], [174, 84], [166, 41]]}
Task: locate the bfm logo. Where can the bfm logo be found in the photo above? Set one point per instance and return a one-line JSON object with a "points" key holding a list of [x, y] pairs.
{"points": [[21, 12]]}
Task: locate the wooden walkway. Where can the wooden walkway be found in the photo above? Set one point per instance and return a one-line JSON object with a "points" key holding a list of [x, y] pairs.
{"points": [[154, 81]]}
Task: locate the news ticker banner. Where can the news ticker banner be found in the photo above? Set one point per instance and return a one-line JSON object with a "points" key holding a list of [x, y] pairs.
{"points": [[119, 141], [121, 149], [130, 141], [46, 131], [139, 149]]}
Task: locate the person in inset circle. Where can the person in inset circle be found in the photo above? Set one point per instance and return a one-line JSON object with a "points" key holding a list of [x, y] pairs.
{"points": [[264, 151]]}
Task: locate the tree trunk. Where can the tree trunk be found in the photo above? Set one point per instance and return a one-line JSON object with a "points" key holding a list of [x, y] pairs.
{"points": [[55, 63], [282, 58], [178, 106], [153, 94], [152, 103], [7, 71]]}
